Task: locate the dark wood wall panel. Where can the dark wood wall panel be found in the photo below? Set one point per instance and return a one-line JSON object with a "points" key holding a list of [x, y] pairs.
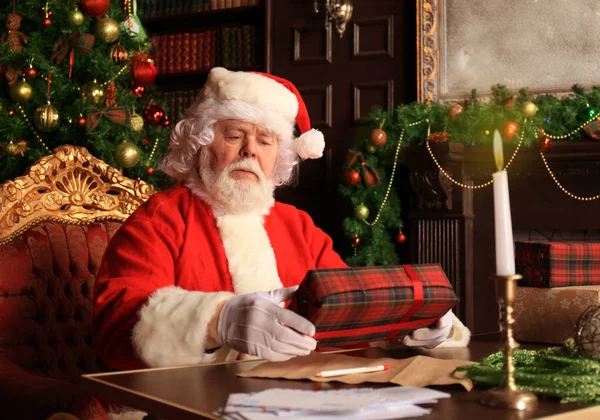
{"points": [[312, 44], [373, 37], [373, 64], [370, 95], [318, 100]]}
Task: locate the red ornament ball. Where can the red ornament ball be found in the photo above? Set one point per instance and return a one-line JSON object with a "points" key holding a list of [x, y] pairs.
{"points": [[46, 23], [154, 115], [30, 73], [511, 128], [11, 113], [166, 123], [351, 177], [356, 241], [145, 141], [455, 111], [97, 8], [150, 170], [378, 137], [143, 70], [81, 122], [401, 238], [544, 143]]}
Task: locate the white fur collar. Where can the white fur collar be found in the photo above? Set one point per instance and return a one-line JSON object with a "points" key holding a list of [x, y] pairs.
{"points": [[251, 259], [249, 253]]}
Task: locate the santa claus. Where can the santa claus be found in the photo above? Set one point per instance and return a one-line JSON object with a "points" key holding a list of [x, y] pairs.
{"points": [[198, 273]]}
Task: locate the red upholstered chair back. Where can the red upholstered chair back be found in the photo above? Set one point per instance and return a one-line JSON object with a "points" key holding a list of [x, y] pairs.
{"points": [[55, 224]]}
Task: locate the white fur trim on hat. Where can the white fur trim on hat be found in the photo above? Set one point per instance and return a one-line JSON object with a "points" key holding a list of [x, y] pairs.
{"points": [[310, 145], [252, 88]]}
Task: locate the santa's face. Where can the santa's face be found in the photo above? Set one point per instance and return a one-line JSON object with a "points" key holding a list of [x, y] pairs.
{"points": [[236, 140], [236, 168]]}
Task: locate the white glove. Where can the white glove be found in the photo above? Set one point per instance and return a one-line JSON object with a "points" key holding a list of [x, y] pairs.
{"points": [[430, 337], [254, 324]]}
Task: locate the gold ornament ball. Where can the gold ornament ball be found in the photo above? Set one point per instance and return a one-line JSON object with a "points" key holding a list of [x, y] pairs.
{"points": [[587, 333], [46, 118], [107, 30], [529, 109], [137, 122], [95, 92], [370, 148], [361, 212], [127, 155], [21, 92], [75, 17]]}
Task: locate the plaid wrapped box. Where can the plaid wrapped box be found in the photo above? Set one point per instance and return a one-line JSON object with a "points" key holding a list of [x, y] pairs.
{"points": [[358, 305], [558, 264]]}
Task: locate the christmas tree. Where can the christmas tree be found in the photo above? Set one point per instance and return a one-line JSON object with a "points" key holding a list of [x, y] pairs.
{"points": [[79, 73]]}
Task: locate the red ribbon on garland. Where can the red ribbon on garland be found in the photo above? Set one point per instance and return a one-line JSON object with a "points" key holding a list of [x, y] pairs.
{"points": [[76, 41], [118, 115]]}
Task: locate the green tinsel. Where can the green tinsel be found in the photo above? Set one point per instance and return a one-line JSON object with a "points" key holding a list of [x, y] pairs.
{"points": [[555, 372], [474, 126]]}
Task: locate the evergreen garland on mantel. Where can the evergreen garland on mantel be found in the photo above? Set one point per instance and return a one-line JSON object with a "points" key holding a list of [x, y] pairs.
{"points": [[373, 225]]}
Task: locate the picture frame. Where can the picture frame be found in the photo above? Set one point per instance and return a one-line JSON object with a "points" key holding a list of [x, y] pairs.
{"points": [[545, 46]]}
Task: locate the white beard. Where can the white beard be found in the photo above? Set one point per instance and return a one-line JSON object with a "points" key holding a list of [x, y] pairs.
{"points": [[235, 196]]}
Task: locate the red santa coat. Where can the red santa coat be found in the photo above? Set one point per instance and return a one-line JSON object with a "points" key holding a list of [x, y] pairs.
{"points": [[173, 261]]}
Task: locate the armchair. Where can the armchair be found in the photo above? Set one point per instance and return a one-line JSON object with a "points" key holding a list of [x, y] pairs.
{"points": [[55, 224]]}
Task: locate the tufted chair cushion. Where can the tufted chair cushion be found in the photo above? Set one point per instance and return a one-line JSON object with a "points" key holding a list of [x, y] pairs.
{"points": [[46, 284]]}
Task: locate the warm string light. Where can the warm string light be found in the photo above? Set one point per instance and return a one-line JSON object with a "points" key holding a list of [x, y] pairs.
{"points": [[37, 136], [389, 187], [472, 187]]}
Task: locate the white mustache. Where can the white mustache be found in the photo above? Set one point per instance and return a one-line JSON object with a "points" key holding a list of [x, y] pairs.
{"points": [[247, 165]]}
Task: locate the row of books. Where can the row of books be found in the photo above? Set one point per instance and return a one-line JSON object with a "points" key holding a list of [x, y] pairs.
{"points": [[232, 47], [177, 102], [149, 9]]}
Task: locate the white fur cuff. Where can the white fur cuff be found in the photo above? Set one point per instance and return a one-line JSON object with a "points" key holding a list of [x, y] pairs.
{"points": [[460, 336], [310, 145], [172, 327]]}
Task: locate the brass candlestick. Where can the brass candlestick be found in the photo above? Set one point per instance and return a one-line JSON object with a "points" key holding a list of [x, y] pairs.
{"points": [[508, 396]]}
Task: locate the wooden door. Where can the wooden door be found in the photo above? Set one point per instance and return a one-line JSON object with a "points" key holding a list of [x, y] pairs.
{"points": [[341, 79]]}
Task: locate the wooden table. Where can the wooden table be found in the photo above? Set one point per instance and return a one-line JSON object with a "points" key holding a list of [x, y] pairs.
{"points": [[194, 392]]}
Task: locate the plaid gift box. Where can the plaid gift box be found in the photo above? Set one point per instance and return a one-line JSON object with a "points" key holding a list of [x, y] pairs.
{"points": [[357, 305], [558, 264]]}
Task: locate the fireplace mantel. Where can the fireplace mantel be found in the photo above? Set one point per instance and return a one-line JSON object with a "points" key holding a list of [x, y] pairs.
{"points": [[453, 225]]}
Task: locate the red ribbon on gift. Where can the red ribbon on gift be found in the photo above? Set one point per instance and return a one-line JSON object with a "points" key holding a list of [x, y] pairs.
{"points": [[392, 329], [76, 41], [117, 115]]}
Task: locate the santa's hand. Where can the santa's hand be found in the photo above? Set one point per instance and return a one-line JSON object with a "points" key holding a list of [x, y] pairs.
{"points": [[430, 337], [255, 324]]}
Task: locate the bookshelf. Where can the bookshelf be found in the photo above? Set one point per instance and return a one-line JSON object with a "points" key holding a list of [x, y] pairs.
{"points": [[190, 38]]}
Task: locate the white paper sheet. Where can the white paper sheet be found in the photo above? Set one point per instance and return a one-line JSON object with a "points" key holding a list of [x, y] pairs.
{"points": [[355, 403]]}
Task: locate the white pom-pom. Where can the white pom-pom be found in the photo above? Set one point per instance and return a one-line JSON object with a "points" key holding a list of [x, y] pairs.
{"points": [[310, 145]]}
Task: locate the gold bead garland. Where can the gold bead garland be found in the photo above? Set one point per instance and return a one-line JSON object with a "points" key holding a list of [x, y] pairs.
{"points": [[541, 130], [472, 187], [36, 135], [152, 152], [563, 189], [389, 187]]}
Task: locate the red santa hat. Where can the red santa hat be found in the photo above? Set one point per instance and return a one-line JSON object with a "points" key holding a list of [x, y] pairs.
{"points": [[266, 100]]}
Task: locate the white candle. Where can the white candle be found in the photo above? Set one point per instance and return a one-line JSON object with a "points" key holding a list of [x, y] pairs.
{"points": [[505, 253]]}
